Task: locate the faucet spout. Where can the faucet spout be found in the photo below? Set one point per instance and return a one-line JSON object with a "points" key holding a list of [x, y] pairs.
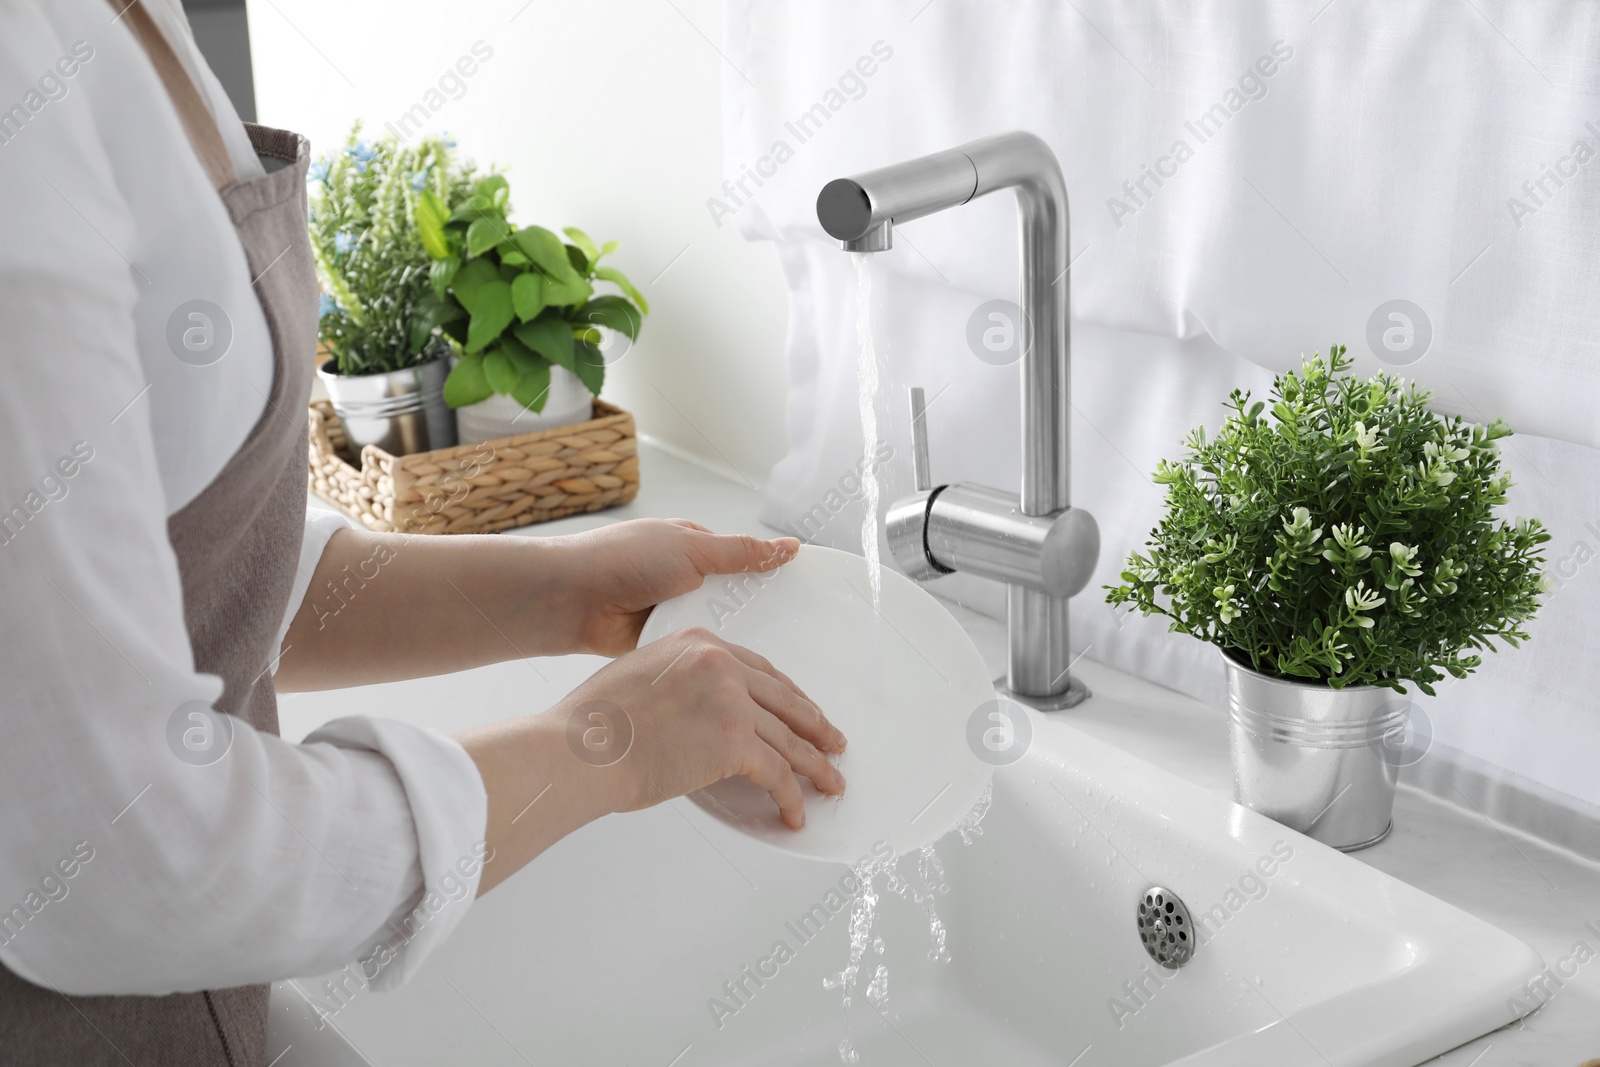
{"points": [[860, 212], [853, 210], [879, 238], [850, 208]]}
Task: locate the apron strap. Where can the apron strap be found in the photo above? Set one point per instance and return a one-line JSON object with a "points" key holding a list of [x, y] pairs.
{"points": [[198, 122]]}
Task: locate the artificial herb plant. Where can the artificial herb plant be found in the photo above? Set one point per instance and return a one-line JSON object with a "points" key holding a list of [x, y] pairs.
{"points": [[519, 300], [378, 313], [1344, 534]]}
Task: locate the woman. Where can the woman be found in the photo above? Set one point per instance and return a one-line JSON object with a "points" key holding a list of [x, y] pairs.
{"points": [[163, 852]]}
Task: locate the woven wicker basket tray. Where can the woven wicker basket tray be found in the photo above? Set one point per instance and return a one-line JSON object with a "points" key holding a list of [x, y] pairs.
{"points": [[481, 488]]}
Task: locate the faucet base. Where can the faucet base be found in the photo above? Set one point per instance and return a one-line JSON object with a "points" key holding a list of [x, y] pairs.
{"points": [[1076, 693]]}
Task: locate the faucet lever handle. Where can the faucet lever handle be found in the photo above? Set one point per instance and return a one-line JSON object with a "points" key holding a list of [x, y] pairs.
{"points": [[921, 468]]}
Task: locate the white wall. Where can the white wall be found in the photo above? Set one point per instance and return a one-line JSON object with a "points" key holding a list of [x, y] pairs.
{"points": [[606, 115]]}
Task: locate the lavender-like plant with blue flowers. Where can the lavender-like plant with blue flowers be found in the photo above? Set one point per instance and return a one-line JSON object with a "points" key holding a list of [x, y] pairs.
{"points": [[378, 310]]}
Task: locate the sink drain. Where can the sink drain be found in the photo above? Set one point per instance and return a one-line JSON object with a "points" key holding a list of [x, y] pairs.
{"points": [[1165, 927]]}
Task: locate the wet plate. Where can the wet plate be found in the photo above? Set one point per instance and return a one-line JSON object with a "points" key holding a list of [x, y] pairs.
{"points": [[903, 682]]}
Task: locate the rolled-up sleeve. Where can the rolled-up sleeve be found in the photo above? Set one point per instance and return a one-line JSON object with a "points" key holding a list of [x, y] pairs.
{"points": [[445, 796], [321, 525]]}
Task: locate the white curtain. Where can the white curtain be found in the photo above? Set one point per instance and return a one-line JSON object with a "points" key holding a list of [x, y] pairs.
{"points": [[1250, 183]]}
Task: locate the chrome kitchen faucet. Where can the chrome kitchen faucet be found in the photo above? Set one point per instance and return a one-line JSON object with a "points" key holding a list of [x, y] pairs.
{"points": [[1041, 547]]}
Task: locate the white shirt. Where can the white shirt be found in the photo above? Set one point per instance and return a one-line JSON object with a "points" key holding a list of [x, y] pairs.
{"points": [[124, 869]]}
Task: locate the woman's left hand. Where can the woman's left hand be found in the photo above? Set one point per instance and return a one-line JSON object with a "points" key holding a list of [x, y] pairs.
{"points": [[613, 576]]}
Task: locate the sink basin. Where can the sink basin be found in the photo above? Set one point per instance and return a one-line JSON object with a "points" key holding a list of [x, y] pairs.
{"points": [[653, 938]]}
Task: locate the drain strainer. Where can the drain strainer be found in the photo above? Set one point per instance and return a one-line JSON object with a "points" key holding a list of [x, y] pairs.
{"points": [[1166, 928]]}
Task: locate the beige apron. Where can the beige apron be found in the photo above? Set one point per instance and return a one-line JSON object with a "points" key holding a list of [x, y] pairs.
{"points": [[237, 545]]}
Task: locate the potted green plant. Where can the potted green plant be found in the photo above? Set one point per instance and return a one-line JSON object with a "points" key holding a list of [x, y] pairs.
{"points": [[1337, 544], [386, 364], [520, 302]]}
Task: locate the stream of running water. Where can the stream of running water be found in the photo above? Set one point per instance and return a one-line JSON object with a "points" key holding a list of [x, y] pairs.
{"points": [[927, 884], [923, 890], [868, 378]]}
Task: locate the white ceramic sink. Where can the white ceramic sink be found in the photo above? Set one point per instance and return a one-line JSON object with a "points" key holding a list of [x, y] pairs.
{"points": [[615, 946]]}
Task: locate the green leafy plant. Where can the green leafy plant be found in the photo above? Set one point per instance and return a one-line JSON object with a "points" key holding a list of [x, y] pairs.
{"points": [[519, 300], [378, 311], [1343, 534]]}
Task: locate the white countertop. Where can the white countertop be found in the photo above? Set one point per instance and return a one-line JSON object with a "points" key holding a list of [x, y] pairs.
{"points": [[1539, 892]]}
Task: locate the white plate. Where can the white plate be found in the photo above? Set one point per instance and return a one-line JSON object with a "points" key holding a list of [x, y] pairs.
{"points": [[903, 683]]}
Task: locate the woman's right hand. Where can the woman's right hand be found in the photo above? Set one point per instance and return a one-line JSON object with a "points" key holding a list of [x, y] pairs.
{"points": [[690, 710], [656, 723]]}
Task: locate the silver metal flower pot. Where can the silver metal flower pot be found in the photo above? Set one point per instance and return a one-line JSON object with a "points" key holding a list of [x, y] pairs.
{"points": [[400, 411], [1318, 760]]}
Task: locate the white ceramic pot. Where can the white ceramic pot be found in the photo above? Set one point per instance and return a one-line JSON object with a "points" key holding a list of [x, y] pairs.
{"points": [[569, 402]]}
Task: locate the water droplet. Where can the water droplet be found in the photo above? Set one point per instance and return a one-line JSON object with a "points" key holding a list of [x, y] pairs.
{"points": [[878, 988], [971, 824]]}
